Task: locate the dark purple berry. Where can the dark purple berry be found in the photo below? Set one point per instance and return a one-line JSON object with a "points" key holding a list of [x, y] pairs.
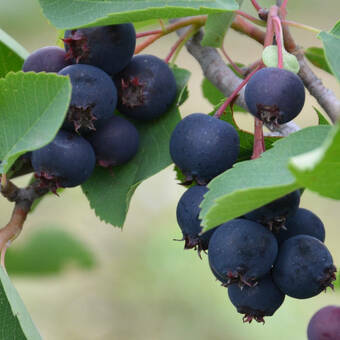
{"points": [[274, 214], [67, 161], [325, 324], [203, 147], [242, 251], [107, 47], [115, 141], [188, 211], [304, 267], [146, 87], [303, 222], [256, 302], [94, 97], [275, 95], [46, 59]]}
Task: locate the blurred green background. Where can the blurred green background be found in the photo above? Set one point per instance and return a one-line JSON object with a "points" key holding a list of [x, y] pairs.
{"points": [[138, 283]]}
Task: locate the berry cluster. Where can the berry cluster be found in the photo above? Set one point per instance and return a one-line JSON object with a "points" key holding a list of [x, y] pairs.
{"points": [[272, 251], [105, 77]]}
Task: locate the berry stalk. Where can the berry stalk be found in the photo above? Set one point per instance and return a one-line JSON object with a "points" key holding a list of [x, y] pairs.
{"points": [[235, 67], [250, 18], [230, 99], [256, 5], [180, 42], [199, 21], [279, 39]]}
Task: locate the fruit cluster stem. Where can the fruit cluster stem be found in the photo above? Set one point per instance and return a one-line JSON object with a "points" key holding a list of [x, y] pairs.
{"points": [[232, 97], [198, 21], [235, 67], [23, 199], [279, 39], [256, 5], [180, 42]]}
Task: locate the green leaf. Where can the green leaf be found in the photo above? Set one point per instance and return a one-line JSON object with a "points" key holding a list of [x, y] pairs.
{"points": [[15, 322], [331, 43], [58, 249], [110, 192], [216, 28], [319, 169], [215, 96], [76, 13], [12, 54], [316, 55], [32, 109], [251, 184], [270, 59], [321, 117]]}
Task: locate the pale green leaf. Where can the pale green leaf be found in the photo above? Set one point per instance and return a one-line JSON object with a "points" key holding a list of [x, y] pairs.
{"points": [[78, 13], [331, 43], [12, 54], [316, 56], [319, 169], [270, 59], [251, 184], [216, 28], [32, 109], [15, 322]]}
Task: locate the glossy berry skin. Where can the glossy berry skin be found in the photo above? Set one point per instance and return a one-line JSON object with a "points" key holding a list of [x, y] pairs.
{"points": [[115, 141], [203, 146], [275, 213], [67, 161], [303, 222], [46, 59], [146, 87], [304, 267], [275, 95], [107, 47], [242, 251], [94, 97], [325, 324], [256, 302], [187, 212]]}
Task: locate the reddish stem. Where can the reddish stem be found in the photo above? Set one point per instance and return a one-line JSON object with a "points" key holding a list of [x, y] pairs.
{"points": [[178, 43], [278, 35], [230, 99], [250, 18], [256, 5], [245, 27], [236, 68], [147, 33], [259, 146], [198, 20], [283, 9]]}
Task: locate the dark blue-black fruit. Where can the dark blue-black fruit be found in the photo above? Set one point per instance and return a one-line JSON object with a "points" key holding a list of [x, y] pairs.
{"points": [[147, 88], [304, 267], [115, 141], [187, 212], [65, 162], [325, 324], [46, 59], [203, 146], [275, 95], [274, 214], [94, 97], [256, 302], [242, 251], [303, 222], [107, 47]]}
